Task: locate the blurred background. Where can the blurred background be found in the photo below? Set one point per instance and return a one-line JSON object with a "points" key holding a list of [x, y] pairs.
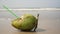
{"points": [[17, 4]]}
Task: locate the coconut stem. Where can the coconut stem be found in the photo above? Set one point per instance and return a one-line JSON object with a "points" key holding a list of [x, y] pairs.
{"points": [[36, 22]]}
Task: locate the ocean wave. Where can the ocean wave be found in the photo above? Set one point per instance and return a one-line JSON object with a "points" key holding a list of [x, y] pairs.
{"points": [[35, 9]]}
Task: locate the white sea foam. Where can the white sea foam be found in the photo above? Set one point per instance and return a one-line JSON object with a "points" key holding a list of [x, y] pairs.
{"points": [[36, 9]]}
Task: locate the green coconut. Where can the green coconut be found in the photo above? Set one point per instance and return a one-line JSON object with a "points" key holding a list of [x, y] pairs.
{"points": [[25, 23]]}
